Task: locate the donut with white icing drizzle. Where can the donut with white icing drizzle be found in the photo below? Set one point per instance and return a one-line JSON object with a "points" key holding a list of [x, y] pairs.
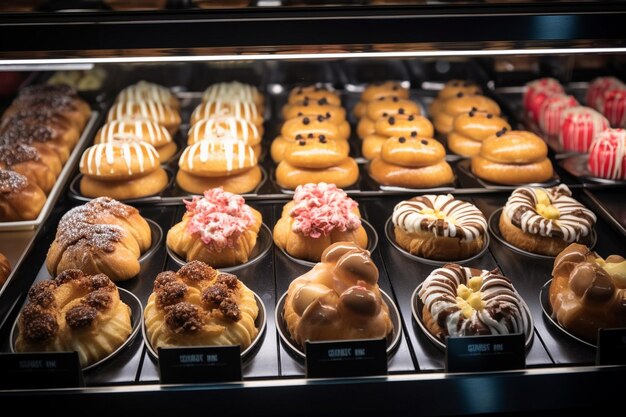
{"points": [[579, 125], [461, 301], [145, 130], [439, 227], [233, 90], [228, 107], [545, 220], [220, 126], [607, 155], [157, 111], [144, 90]]}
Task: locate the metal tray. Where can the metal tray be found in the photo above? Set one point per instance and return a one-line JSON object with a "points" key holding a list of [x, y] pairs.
{"points": [[494, 229], [393, 339], [261, 248], [63, 177], [260, 323], [389, 233], [417, 306], [577, 166], [136, 314], [372, 241]]}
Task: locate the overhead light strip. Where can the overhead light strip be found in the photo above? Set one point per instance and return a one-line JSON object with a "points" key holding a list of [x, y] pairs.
{"points": [[50, 62]]}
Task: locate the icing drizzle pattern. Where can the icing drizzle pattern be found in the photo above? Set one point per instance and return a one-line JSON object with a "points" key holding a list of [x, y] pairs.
{"points": [[144, 129], [153, 110], [607, 154], [234, 90], [144, 90], [128, 147], [220, 126], [575, 220], [461, 219], [236, 152], [226, 107]]}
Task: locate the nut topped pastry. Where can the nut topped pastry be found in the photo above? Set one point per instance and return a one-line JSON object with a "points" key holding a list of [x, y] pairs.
{"points": [[101, 236], [439, 227], [74, 312], [200, 306], [338, 299], [545, 220], [462, 301]]}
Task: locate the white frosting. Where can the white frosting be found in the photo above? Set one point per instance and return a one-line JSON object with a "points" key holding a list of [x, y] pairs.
{"points": [[226, 107], [127, 147], [153, 110], [144, 90], [580, 125], [461, 219], [233, 90], [144, 129], [220, 126], [614, 107], [236, 152], [602, 145]]}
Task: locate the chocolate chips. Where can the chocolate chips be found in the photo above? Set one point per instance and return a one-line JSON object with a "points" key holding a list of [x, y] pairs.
{"points": [[424, 142], [320, 118], [322, 139], [298, 136], [501, 132], [489, 116], [306, 121], [301, 143], [411, 118], [400, 110], [401, 139], [414, 134], [392, 120]]}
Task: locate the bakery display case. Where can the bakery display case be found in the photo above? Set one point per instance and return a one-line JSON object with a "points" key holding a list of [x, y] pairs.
{"points": [[382, 82]]}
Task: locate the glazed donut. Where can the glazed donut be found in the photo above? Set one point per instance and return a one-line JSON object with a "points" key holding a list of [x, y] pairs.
{"points": [[587, 292], [470, 129], [74, 312], [5, 269], [220, 126], [335, 114], [19, 198], [319, 160], [145, 130], [462, 301], [318, 216], [439, 227], [383, 107], [514, 147], [122, 169], [101, 236], [234, 90], [579, 125], [280, 144], [153, 110], [536, 92], [41, 168], [316, 124], [313, 93], [460, 104], [551, 111], [218, 229], [450, 89], [598, 87], [613, 106], [607, 155], [545, 220], [377, 90], [200, 306], [396, 125], [412, 151], [338, 299], [229, 107], [147, 91], [512, 174], [429, 176]]}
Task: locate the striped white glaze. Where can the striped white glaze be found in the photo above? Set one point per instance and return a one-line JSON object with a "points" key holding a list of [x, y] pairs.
{"points": [[220, 126], [462, 219], [598, 87], [153, 110], [575, 220], [607, 153], [226, 107], [144, 90], [144, 129], [233, 90], [551, 112], [579, 125], [613, 106], [439, 295], [127, 147], [236, 152]]}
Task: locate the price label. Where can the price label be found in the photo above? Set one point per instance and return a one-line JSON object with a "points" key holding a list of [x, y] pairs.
{"points": [[346, 358], [40, 370], [611, 347], [485, 353], [200, 364]]}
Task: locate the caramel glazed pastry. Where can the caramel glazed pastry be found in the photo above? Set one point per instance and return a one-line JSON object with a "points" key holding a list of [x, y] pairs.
{"points": [[460, 104], [587, 292], [200, 306], [5, 269], [377, 90], [451, 89], [545, 220], [102, 236], [123, 168], [439, 227], [218, 162], [462, 301], [338, 299], [395, 126], [469, 130], [384, 107], [74, 312], [20, 199]]}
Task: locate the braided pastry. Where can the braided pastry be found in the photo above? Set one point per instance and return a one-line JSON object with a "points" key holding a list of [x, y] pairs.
{"points": [[199, 306], [41, 167], [74, 312], [102, 236], [19, 198]]}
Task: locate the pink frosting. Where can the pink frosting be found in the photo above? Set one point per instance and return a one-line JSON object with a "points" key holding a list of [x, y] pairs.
{"points": [[321, 208], [219, 218]]}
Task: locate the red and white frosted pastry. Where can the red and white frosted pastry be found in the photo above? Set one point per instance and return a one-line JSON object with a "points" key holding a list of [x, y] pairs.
{"points": [[318, 216], [598, 87], [537, 91], [218, 229], [607, 158], [579, 125], [613, 106], [551, 111]]}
